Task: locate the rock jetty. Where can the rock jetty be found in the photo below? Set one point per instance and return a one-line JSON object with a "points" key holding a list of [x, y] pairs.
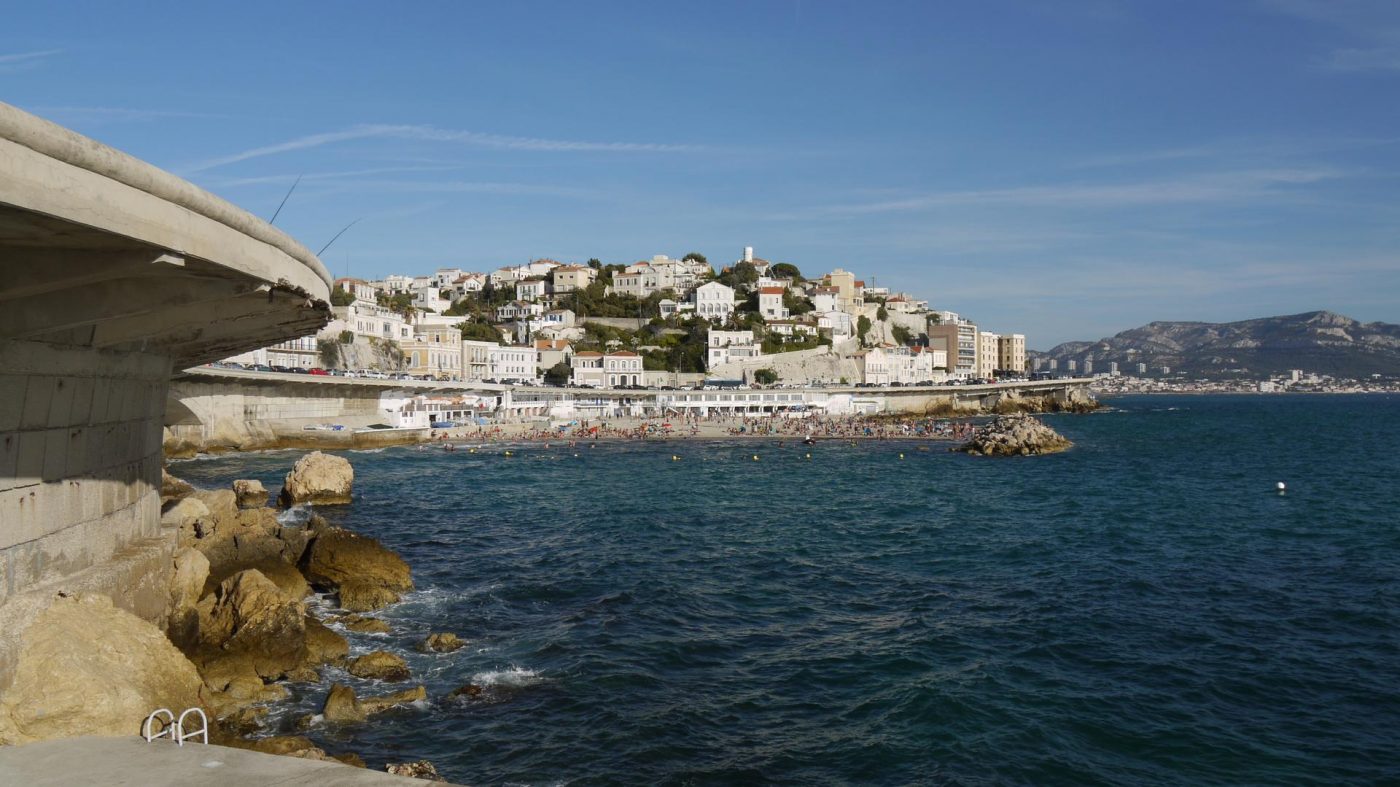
{"points": [[1015, 435]]}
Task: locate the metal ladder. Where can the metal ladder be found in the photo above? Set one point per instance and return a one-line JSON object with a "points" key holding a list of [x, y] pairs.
{"points": [[174, 728]]}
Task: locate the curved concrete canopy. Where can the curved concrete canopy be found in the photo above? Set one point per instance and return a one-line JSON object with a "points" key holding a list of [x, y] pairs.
{"points": [[100, 249]]}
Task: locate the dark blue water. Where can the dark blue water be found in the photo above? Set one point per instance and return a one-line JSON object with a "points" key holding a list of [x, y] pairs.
{"points": [[1143, 609]]}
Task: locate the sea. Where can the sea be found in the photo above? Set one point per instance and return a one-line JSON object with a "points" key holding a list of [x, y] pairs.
{"points": [[1146, 608]]}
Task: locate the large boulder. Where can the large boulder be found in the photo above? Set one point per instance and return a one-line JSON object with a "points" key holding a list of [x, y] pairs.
{"points": [[342, 706], [279, 572], [358, 596], [367, 575], [318, 478], [186, 588], [251, 618], [249, 494], [323, 645], [379, 665], [172, 488], [1015, 435], [184, 514], [86, 667]]}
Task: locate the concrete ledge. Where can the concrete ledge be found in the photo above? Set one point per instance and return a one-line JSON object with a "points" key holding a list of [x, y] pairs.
{"points": [[163, 764], [69, 147]]}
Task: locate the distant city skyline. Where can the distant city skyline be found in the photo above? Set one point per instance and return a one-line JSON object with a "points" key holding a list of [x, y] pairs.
{"points": [[1063, 170]]}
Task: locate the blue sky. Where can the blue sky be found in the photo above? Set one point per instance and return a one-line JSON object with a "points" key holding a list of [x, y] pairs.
{"points": [[1062, 168]]}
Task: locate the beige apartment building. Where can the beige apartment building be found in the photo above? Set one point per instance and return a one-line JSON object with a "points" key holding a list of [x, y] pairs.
{"points": [[435, 350], [568, 278], [1011, 353], [959, 340], [988, 347]]}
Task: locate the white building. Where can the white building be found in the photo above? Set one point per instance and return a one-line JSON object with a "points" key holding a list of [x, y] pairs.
{"points": [[622, 367], [368, 319], [770, 303], [518, 310], [512, 364], [476, 359], [726, 346], [838, 322], [713, 301], [533, 290], [568, 278]]}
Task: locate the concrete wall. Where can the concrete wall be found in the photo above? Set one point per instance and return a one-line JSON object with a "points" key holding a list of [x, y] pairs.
{"points": [[204, 416], [80, 460], [80, 457]]}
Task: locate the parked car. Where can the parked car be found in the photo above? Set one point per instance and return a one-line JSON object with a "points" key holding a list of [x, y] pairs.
{"points": [[318, 371]]}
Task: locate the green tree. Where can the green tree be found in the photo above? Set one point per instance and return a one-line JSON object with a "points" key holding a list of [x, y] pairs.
{"points": [[339, 297], [862, 327], [765, 376], [786, 270], [742, 275], [347, 337], [558, 374], [696, 256], [481, 332], [901, 334], [595, 263], [329, 353], [882, 314]]}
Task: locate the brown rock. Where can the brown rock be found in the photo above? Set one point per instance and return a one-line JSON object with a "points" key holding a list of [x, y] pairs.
{"points": [[222, 503], [342, 706], [415, 770], [172, 488], [336, 556], [86, 667], [469, 690], [186, 587], [279, 572], [358, 596], [184, 513], [379, 665], [324, 646], [387, 701], [350, 758], [318, 478], [249, 493], [286, 746], [444, 642], [362, 624], [251, 618]]}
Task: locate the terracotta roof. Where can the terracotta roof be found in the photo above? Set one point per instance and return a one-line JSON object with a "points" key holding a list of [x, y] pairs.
{"points": [[860, 284], [588, 354], [773, 290]]}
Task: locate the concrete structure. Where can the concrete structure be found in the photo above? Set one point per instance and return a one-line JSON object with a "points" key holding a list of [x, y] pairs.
{"points": [[770, 303], [112, 273], [568, 278], [163, 764]]}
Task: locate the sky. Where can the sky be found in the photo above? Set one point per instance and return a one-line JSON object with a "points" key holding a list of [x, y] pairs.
{"points": [[1064, 169]]}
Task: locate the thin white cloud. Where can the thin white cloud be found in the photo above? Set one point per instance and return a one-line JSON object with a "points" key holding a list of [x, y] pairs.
{"points": [[289, 178], [115, 114], [23, 61], [1210, 188], [1376, 23], [434, 134]]}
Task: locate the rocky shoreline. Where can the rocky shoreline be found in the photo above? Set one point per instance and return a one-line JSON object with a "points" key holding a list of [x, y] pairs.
{"points": [[1014, 435], [238, 633]]}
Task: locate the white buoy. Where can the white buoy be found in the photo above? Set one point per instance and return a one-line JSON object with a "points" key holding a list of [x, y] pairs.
{"points": [[1282, 487]]}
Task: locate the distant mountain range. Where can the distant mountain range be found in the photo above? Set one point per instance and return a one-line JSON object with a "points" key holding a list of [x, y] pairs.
{"points": [[1319, 342]]}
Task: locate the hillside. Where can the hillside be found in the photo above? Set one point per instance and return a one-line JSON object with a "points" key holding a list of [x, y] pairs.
{"points": [[1319, 342]]}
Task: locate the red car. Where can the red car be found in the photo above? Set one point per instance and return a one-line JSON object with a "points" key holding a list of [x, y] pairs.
{"points": [[319, 370]]}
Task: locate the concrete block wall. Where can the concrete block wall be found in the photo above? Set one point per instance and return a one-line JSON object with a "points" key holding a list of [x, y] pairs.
{"points": [[247, 415], [80, 458]]}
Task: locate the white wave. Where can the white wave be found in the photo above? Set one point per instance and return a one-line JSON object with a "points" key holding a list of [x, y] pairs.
{"points": [[514, 677], [296, 516]]}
